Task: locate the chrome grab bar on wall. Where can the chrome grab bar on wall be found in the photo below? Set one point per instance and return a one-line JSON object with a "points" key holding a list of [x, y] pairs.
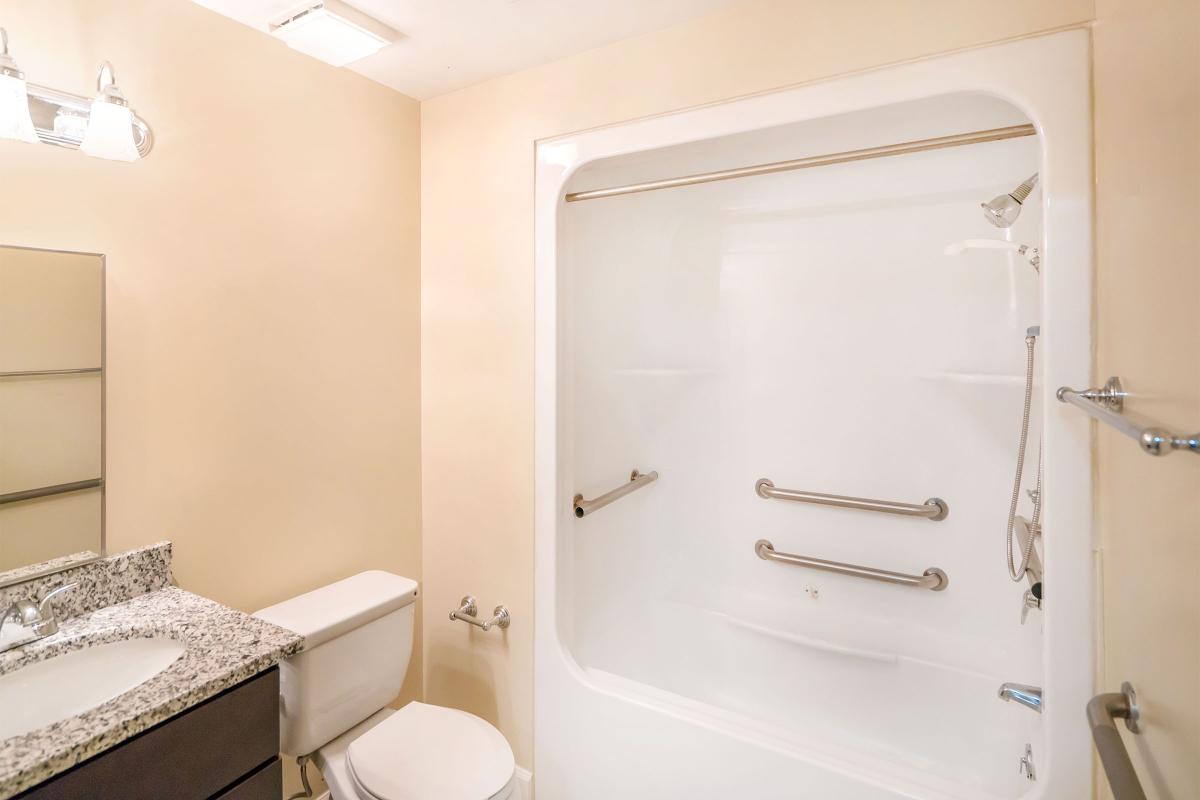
{"points": [[1107, 404], [47, 491], [636, 481], [1101, 711], [933, 578], [933, 509]]}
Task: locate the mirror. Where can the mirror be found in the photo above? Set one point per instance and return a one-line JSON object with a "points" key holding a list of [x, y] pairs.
{"points": [[51, 411]]}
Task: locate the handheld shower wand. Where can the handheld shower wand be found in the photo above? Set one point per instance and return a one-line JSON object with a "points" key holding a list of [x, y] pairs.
{"points": [[1003, 210]]}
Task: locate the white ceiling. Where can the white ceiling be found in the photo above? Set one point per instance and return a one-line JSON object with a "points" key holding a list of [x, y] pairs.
{"points": [[448, 44]]}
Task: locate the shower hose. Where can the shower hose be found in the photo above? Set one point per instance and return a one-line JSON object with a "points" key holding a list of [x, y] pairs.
{"points": [[1015, 572]]}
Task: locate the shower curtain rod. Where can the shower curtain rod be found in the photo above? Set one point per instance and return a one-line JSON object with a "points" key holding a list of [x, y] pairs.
{"points": [[918, 146]]}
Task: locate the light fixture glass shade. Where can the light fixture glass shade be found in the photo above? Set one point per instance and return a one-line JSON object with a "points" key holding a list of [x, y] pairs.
{"points": [[15, 122], [110, 132]]}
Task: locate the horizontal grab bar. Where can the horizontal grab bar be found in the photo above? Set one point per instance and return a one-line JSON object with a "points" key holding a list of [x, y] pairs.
{"points": [[636, 481], [1101, 711], [933, 509], [933, 578], [48, 491], [1107, 404], [468, 610]]}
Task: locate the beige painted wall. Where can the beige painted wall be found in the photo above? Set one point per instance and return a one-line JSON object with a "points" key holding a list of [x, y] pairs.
{"points": [[1148, 171], [263, 301], [477, 276]]}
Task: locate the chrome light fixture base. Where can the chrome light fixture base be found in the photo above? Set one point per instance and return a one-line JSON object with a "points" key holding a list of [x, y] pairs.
{"points": [[61, 118]]}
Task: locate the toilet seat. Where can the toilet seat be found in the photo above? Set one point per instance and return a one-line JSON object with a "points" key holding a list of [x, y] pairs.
{"points": [[425, 752]]}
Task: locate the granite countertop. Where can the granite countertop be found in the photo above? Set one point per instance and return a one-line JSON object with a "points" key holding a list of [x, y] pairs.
{"points": [[223, 647]]}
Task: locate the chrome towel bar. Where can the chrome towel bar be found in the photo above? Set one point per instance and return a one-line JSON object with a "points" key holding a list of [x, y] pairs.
{"points": [[933, 578], [636, 481], [468, 610], [1101, 711], [933, 509], [1107, 404], [47, 491]]}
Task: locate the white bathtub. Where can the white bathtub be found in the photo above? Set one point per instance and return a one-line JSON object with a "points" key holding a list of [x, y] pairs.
{"points": [[806, 327]]}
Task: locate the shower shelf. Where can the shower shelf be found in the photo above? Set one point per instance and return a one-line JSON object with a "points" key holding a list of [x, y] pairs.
{"points": [[974, 378], [806, 641]]}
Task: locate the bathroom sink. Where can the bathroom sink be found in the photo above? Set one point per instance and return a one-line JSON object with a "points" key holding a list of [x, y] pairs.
{"points": [[47, 691]]}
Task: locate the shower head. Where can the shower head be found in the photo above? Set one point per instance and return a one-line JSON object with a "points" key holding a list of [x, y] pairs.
{"points": [[1004, 209]]}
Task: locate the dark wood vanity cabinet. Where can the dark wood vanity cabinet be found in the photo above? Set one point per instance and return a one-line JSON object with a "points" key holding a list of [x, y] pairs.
{"points": [[226, 748]]}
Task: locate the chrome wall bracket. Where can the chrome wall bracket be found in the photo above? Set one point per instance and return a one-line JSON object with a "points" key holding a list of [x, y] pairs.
{"points": [[468, 610]]}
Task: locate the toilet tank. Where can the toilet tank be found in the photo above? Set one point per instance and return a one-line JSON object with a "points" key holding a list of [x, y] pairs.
{"points": [[358, 638]]}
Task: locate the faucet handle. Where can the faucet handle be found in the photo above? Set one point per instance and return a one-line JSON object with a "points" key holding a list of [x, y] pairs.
{"points": [[46, 607]]}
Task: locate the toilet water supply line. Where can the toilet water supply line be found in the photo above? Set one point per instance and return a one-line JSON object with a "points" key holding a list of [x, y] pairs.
{"points": [[1016, 573]]}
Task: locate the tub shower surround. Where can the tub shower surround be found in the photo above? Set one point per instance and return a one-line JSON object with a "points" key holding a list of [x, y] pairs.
{"points": [[123, 597]]}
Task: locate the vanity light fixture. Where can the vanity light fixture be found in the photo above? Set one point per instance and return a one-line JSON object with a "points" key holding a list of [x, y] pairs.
{"points": [[103, 126], [333, 32], [15, 121], [109, 131]]}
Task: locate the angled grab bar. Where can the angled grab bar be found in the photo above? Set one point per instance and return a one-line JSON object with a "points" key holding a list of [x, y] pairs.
{"points": [[933, 578], [636, 481], [1101, 711], [1107, 404], [933, 509]]}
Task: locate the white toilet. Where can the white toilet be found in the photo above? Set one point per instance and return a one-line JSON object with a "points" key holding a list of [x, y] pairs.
{"points": [[358, 636]]}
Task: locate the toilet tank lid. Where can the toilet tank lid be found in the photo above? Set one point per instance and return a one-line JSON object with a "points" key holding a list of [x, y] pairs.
{"points": [[335, 609]]}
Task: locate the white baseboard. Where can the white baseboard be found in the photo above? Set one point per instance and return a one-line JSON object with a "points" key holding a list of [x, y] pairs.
{"points": [[524, 784]]}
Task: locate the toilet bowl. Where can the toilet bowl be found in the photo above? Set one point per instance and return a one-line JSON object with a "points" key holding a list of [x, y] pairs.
{"points": [[334, 698]]}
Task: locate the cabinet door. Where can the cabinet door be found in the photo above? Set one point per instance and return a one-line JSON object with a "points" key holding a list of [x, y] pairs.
{"points": [[193, 756]]}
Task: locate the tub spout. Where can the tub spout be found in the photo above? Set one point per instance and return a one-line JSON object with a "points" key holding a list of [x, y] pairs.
{"points": [[1028, 696]]}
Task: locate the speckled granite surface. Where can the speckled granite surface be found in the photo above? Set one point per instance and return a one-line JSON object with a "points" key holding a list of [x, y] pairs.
{"points": [[112, 579], [223, 647]]}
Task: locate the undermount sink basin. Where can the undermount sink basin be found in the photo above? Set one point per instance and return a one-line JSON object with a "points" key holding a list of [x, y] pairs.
{"points": [[47, 691]]}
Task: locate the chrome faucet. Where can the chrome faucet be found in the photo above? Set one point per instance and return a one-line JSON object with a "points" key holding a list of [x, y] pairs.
{"points": [[37, 621], [1028, 696]]}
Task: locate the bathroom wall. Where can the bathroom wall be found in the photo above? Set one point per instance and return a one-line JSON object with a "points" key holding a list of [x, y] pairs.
{"points": [[263, 302], [1147, 77], [477, 276]]}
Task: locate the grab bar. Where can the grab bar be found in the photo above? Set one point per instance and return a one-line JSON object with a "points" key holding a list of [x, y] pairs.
{"points": [[636, 481], [1107, 404], [1101, 711], [47, 491], [933, 578], [933, 509]]}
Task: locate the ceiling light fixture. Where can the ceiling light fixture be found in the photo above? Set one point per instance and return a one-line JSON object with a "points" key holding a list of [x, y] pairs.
{"points": [[15, 121], [333, 32]]}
